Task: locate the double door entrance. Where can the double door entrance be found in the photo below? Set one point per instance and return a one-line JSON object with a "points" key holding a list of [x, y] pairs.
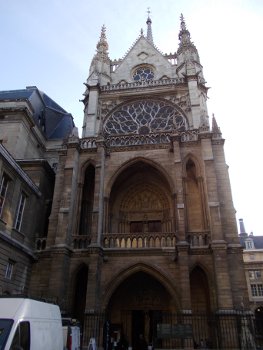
{"points": [[138, 329], [144, 326]]}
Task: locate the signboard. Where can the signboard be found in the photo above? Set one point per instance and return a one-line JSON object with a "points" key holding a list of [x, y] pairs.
{"points": [[167, 330]]}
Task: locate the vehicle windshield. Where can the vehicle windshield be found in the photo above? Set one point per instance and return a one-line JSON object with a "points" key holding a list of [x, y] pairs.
{"points": [[5, 327]]}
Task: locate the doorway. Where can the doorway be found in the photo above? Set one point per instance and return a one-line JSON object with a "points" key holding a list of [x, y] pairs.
{"points": [[138, 325], [145, 323], [138, 305]]}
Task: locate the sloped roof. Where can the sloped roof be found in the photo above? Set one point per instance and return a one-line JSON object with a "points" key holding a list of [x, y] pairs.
{"points": [[53, 120], [15, 94], [258, 240]]}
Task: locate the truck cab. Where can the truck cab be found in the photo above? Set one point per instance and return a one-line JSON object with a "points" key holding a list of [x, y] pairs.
{"points": [[27, 324]]}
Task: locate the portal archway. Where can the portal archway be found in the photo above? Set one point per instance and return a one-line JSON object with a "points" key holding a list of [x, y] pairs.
{"points": [[137, 306], [140, 201]]}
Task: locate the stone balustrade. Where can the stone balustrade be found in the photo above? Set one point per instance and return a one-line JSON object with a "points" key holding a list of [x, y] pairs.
{"points": [[135, 240], [139, 240], [141, 84]]}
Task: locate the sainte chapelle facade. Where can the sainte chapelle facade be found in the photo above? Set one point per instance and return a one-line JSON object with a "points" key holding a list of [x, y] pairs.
{"points": [[132, 220]]}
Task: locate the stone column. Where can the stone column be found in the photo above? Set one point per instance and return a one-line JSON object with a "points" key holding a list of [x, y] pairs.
{"points": [[183, 262], [106, 214], [221, 273], [98, 205], [58, 276], [93, 296], [91, 110], [179, 195], [237, 276], [57, 198]]}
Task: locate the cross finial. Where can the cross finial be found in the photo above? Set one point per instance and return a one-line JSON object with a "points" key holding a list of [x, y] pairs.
{"points": [[183, 27], [148, 11], [149, 27]]}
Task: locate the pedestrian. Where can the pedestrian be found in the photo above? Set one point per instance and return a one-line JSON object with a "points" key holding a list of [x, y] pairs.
{"points": [[141, 343]]}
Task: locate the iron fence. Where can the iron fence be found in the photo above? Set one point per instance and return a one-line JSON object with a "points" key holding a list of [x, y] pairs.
{"points": [[224, 330]]}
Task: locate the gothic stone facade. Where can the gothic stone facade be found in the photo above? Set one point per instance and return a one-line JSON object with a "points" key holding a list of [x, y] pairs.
{"points": [[142, 220]]}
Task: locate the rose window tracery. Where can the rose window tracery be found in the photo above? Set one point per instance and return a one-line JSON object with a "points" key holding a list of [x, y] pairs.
{"points": [[143, 73], [144, 117]]}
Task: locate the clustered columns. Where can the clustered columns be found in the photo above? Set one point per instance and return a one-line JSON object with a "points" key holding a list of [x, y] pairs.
{"points": [[182, 246], [179, 203]]}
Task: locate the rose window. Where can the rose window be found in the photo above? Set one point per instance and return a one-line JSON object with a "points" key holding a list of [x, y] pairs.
{"points": [[145, 117]]}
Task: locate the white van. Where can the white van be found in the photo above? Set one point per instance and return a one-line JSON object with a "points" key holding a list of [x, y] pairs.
{"points": [[27, 324]]}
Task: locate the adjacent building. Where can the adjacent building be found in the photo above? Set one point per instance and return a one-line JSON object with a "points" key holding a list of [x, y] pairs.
{"points": [[253, 262], [32, 129]]}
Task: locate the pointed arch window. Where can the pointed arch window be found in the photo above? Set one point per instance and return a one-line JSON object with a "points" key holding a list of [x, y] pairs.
{"points": [[87, 202]]}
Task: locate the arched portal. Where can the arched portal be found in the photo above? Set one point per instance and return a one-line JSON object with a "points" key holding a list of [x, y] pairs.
{"points": [[140, 201], [137, 306]]}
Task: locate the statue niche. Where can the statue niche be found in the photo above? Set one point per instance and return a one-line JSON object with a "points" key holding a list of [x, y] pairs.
{"points": [[193, 191]]}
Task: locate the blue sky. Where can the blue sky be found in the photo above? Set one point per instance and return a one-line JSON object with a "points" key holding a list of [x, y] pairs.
{"points": [[50, 44]]}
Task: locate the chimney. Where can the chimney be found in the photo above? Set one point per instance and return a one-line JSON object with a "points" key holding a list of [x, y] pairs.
{"points": [[242, 228]]}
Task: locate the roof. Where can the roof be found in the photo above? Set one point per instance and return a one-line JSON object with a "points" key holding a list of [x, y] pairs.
{"points": [[52, 119], [258, 240]]}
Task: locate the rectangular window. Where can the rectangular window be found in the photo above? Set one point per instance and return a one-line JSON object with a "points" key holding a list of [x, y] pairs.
{"points": [[257, 290], [257, 275], [3, 190], [253, 290], [251, 275], [9, 269], [254, 275], [260, 290], [249, 244], [20, 211]]}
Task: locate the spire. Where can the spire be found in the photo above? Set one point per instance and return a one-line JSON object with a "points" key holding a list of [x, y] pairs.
{"points": [[215, 127], [149, 27], [186, 47], [102, 46], [184, 35], [100, 64]]}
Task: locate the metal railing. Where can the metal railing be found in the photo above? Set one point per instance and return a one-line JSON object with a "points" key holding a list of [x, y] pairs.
{"points": [[230, 330]]}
